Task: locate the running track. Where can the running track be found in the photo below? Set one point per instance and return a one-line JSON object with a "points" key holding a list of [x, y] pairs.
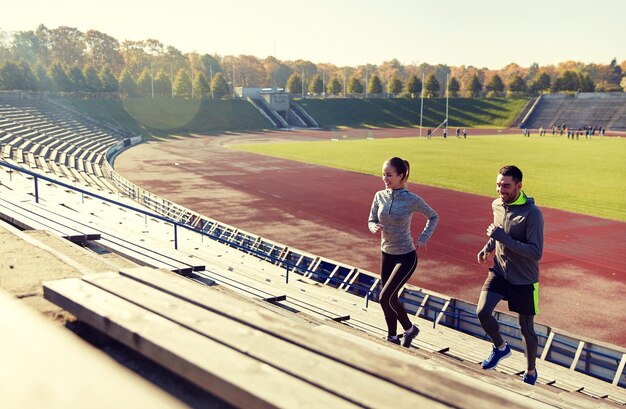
{"points": [[324, 211]]}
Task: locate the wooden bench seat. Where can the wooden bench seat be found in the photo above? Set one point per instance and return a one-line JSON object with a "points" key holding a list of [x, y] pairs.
{"points": [[186, 324], [46, 366]]}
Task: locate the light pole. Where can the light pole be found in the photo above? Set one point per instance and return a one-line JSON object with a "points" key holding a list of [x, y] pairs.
{"points": [[152, 76], [233, 80], [422, 103], [211, 83]]}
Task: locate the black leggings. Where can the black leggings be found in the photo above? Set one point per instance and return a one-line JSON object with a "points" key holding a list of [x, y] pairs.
{"points": [[395, 271], [486, 304]]}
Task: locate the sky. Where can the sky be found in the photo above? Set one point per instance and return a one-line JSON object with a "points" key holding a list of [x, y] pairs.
{"points": [[480, 33]]}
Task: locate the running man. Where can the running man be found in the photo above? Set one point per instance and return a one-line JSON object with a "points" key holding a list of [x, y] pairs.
{"points": [[516, 235]]}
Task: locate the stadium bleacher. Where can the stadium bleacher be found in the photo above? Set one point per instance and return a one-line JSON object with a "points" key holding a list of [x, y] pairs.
{"points": [[257, 323], [607, 110]]}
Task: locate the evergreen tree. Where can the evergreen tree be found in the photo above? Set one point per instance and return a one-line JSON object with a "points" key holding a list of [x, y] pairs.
{"points": [[316, 86], [568, 81], [540, 83], [375, 86], [108, 80], [294, 84], [454, 87], [517, 86], [395, 86], [77, 79], [127, 85], [144, 83], [432, 86], [163, 84], [182, 84], [475, 87], [495, 85], [334, 87], [60, 80], [355, 86], [414, 86], [200, 85], [11, 77], [219, 86], [616, 72], [30, 82], [43, 80], [585, 83], [92, 81]]}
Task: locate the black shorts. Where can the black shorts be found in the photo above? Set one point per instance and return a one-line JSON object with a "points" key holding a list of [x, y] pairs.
{"points": [[523, 299]]}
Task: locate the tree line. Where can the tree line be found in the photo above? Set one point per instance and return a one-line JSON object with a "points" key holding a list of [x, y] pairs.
{"points": [[64, 59]]}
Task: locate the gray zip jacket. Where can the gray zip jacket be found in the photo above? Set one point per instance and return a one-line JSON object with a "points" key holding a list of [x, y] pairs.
{"points": [[394, 210], [518, 241]]}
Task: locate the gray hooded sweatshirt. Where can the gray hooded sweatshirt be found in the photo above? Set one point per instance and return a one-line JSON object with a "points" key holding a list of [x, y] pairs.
{"points": [[394, 210], [518, 241]]}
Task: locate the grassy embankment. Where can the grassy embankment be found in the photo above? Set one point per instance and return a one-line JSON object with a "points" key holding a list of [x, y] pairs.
{"points": [[584, 176], [385, 113], [165, 116]]}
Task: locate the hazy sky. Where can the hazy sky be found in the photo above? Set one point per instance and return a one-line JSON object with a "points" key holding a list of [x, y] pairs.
{"points": [[482, 33]]}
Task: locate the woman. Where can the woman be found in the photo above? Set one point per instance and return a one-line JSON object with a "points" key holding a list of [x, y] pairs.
{"points": [[391, 213]]}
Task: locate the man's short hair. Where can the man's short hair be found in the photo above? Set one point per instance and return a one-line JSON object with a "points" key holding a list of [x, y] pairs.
{"points": [[513, 171]]}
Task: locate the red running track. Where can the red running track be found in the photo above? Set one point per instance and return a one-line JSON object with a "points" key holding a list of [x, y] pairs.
{"points": [[324, 211]]}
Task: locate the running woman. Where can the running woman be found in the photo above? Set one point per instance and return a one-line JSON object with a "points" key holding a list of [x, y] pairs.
{"points": [[516, 240], [391, 213]]}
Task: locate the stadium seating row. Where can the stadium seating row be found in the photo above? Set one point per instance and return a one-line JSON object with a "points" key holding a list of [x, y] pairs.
{"points": [[580, 111]]}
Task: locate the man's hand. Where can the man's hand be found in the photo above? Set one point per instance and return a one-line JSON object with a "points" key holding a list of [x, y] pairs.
{"points": [[492, 227], [482, 257]]}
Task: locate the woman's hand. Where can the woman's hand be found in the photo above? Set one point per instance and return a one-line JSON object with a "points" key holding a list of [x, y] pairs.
{"points": [[377, 227]]}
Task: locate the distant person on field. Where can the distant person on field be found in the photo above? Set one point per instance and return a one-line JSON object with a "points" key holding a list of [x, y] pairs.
{"points": [[516, 241], [429, 133], [464, 133], [445, 133], [391, 214], [458, 132]]}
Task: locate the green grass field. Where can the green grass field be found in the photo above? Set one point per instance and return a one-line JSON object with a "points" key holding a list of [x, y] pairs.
{"points": [[584, 176]]}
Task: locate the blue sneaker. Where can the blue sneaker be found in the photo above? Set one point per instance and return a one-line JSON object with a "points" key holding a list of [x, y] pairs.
{"points": [[409, 335], [496, 355], [394, 339], [530, 379]]}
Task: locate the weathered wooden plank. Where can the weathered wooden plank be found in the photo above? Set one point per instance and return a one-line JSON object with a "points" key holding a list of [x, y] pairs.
{"points": [[42, 365], [540, 393], [230, 375], [426, 382], [310, 366]]}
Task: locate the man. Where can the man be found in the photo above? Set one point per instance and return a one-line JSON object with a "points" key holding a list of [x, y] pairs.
{"points": [[516, 235]]}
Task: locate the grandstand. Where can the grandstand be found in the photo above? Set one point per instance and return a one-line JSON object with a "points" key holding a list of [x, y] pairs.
{"points": [[249, 320], [607, 110]]}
